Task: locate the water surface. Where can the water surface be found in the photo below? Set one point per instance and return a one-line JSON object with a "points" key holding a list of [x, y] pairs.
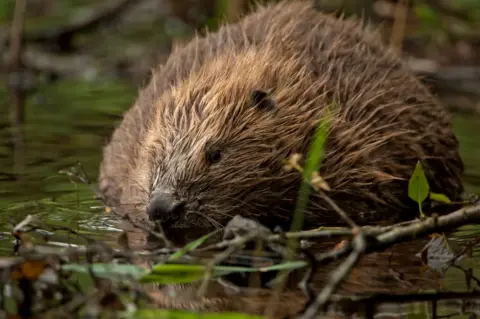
{"points": [[69, 121]]}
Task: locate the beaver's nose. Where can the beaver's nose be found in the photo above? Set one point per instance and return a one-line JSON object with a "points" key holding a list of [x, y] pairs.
{"points": [[164, 207]]}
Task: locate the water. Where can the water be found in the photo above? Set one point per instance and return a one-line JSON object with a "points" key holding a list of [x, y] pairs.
{"points": [[66, 123], [70, 121]]}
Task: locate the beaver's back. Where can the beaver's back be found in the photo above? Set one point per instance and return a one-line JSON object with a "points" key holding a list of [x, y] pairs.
{"points": [[387, 120]]}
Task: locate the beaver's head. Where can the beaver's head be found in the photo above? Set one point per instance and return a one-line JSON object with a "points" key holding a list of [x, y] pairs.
{"points": [[217, 140]]}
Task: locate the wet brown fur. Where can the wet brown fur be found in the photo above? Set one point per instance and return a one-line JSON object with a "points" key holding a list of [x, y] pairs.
{"points": [[384, 120]]}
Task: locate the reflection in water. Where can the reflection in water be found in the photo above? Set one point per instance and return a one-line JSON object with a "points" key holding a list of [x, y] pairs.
{"points": [[395, 274], [71, 122], [409, 268]]}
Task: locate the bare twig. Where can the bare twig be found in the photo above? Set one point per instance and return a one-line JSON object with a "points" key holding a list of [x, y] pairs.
{"points": [[25, 222], [17, 86], [63, 36], [235, 244], [318, 185], [407, 298], [420, 228], [463, 251], [300, 235], [339, 211], [398, 29], [16, 34], [459, 79], [322, 232], [382, 241], [429, 226], [312, 234], [157, 235], [337, 277]]}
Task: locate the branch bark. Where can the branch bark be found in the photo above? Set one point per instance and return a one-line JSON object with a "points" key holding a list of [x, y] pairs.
{"points": [[380, 242], [16, 86], [62, 36]]}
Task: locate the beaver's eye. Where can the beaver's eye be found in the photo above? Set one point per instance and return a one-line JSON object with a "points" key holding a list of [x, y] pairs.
{"points": [[213, 156], [262, 101]]}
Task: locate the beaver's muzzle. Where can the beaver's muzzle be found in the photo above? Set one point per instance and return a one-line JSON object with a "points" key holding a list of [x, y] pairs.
{"points": [[164, 207]]}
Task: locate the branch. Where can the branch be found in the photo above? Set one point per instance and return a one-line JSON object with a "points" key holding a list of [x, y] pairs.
{"points": [[16, 85], [337, 277], [443, 9], [460, 79], [380, 242], [63, 35], [421, 228], [79, 65], [407, 298]]}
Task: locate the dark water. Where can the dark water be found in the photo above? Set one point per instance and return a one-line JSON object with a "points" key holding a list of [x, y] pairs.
{"points": [[68, 122]]}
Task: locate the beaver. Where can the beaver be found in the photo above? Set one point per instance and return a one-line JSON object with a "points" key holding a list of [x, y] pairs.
{"points": [[207, 137]]}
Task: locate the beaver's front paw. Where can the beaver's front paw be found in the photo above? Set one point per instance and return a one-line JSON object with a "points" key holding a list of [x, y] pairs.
{"points": [[241, 226]]}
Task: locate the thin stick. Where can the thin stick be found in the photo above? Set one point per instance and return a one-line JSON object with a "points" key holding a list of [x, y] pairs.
{"points": [[339, 211], [16, 87], [337, 277]]}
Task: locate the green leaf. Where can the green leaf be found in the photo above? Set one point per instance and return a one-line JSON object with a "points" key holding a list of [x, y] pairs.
{"points": [[174, 274], [178, 314], [418, 186], [290, 265], [429, 18], [190, 246], [317, 149], [6, 10], [112, 271], [185, 273], [312, 164], [440, 198]]}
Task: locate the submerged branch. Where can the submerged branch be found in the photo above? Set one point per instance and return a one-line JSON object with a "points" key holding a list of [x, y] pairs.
{"points": [[337, 277]]}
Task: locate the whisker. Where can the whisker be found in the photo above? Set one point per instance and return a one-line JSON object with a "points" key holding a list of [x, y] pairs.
{"points": [[126, 204], [215, 224], [242, 202], [214, 208]]}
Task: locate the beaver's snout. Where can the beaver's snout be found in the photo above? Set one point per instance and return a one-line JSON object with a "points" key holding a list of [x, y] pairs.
{"points": [[164, 207]]}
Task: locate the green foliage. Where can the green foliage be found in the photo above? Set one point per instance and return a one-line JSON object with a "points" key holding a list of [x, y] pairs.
{"points": [[174, 274], [189, 247], [110, 271], [471, 7], [429, 18], [440, 198], [170, 273], [187, 273], [66, 121], [317, 150], [10, 305], [6, 10], [419, 189], [312, 164]]}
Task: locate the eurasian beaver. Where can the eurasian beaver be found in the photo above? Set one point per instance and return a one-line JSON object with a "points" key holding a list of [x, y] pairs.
{"points": [[207, 137]]}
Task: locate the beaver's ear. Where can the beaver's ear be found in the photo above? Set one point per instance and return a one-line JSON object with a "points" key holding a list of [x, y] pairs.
{"points": [[262, 100]]}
